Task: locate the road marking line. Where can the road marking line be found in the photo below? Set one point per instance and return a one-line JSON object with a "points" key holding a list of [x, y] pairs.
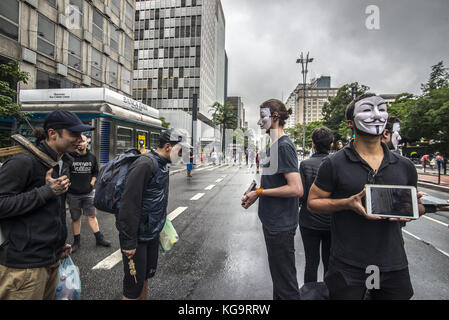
{"points": [[209, 187], [219, 180], [112, 260], [426, 242], [172, 215], [437, 221], [109, 262], [197, 196], [202, 168]]}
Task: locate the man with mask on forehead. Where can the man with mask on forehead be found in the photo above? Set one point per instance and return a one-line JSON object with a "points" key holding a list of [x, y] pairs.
{"points": [[360, 241], [278, 195], [391, 136], [143, 210]]}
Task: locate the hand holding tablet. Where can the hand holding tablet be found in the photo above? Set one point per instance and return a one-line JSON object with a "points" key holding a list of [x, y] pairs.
{"points": [[399, 203]]}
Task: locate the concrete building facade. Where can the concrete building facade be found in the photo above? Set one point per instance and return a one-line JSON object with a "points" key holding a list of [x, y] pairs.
{"points": [[317, 93], [70, 43]]}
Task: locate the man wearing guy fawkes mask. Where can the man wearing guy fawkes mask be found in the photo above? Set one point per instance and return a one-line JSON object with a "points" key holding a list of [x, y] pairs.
{"points": [[278, 195], [359, 240], [391, 136], [143, 210]]}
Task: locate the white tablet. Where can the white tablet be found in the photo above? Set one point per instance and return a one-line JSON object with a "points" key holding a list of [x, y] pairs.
{"points": [[391, 201]]}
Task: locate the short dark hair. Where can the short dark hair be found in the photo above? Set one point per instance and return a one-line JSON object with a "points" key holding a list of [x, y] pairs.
{"points": [[276, 105], [350, 108], [391, 121], [322, 137]]}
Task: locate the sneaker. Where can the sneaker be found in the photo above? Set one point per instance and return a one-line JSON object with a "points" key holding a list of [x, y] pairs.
{"points": [[75, 246]]}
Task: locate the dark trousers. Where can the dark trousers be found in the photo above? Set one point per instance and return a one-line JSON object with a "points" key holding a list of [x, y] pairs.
{"points": [[281, 259], [346, 282], [312, 239]]}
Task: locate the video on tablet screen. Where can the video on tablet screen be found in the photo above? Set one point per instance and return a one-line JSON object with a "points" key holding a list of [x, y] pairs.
{"points": [[391, 201]]}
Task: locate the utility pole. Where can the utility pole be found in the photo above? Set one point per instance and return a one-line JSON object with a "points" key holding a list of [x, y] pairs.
{"points": [[304, 71]]}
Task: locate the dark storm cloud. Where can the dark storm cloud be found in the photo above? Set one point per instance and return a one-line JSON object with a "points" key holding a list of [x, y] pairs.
{"points": [[264, 39]]}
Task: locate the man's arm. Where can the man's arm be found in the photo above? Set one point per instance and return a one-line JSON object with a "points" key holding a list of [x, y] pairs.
{"points": [[14, 177], [292, 189], [319, 201]]}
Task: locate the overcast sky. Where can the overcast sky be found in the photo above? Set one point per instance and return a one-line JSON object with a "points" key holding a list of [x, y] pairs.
{"points": [[265, 37]]}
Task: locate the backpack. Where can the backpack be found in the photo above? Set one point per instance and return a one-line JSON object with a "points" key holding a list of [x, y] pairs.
{"points": [[111, 179]]}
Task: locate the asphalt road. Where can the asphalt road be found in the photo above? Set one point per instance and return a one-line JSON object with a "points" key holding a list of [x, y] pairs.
{"points": [[221, 252]]}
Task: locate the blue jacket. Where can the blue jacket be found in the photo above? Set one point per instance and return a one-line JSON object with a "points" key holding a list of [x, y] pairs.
{"points": [[143, 205]]}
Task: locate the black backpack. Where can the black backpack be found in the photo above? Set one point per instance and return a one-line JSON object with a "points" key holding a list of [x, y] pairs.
{"points": [[111, 180]]}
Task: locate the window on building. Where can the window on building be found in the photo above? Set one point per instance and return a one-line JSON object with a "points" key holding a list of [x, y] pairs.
{"points": [[97, 25], [77, 6], [9, 19], [115, 7], [52, 3], [113, 73], [129, 48], [96, 65], [114, 37], [74, 52], [124, 139], [46, 36], [128, 15], [45, 80]]}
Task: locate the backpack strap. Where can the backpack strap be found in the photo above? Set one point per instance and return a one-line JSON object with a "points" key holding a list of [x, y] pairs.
{"points": [[155, 163]]}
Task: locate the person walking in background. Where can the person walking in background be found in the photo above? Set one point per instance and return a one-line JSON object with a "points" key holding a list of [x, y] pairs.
{"points": [[315, 227], [278, 195], [80, 197]]}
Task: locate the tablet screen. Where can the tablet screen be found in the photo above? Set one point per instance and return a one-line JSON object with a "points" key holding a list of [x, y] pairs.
{"points": [[391, 201]]}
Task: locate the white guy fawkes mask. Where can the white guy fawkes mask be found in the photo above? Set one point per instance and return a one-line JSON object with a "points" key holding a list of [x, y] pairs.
{"points": [[370, 115], [395, 137], [265, 119]]}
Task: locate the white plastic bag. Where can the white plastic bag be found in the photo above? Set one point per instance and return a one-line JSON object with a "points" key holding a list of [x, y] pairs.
{"points": [[69, 285]]}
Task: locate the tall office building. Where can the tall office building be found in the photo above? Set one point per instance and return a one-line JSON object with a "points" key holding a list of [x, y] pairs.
{"points": [[179, 52], [239, 111], [317, 93]]}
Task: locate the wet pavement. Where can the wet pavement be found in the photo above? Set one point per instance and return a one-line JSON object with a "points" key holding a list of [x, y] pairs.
{"points": [[221, 252]]}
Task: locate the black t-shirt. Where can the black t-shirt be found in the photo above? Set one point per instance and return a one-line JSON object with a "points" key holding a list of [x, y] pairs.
{"points": [[279, 214], [308, 170], [356, 240], [83, 168]]}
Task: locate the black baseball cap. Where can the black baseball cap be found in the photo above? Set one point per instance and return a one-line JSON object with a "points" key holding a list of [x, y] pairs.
{"points": [[64, 119]]}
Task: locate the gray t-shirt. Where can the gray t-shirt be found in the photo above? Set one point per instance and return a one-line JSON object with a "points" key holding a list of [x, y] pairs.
{"points": [[279, 214]]}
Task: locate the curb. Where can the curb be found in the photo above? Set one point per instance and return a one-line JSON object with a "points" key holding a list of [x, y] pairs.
{"points": [[433, 186]]}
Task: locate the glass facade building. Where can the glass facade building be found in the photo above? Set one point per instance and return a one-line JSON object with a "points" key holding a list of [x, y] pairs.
{"points": [[179, 51]]}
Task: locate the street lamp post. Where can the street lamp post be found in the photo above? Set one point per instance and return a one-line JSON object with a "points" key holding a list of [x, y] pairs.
{"points": [[304, 71]]}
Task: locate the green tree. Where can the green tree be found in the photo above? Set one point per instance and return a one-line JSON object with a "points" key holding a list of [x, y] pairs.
{"points": [[10, 76], [438, 79], [426, 116], [165, 124], [296, 133], [334, 110], [225, 116]]}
